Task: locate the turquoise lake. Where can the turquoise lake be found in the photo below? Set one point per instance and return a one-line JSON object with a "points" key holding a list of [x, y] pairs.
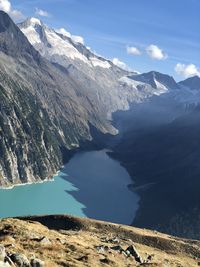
{"points": [[91, 185]]}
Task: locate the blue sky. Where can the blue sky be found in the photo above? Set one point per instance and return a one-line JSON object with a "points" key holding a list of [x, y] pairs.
{"points": [[163, 32]]}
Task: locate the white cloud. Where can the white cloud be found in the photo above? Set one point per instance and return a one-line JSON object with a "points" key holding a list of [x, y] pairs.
{"points": [[41, 13], [155, 52], [75, 38], [131, 50], [6, 6], [121, 64], [64, 32], [78, 39], [16, 15], [187, 70]]}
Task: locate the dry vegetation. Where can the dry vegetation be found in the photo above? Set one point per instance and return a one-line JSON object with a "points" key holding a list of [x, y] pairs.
{"points": [[68, 241]]}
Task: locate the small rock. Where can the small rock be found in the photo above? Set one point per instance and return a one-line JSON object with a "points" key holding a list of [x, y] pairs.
{"points": [[72, 247], [125, 253], [131, 250], [114, 240], [20, 260], [36, 263], [62, 241], [2, 252], [117, 248], [45, 241], [83, 258], [149, 258], [33, 236], [105, 260], [102, 248], [8, 261]]}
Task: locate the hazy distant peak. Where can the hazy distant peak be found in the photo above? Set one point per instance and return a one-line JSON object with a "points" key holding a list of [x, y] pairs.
{"points": [[154, 78], [192, 83]]}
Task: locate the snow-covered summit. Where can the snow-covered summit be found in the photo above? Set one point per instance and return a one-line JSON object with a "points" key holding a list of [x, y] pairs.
{"points": [[156, 79], [59, 43], [35, 21], [151, 83], [31, 22], [99, 75]]}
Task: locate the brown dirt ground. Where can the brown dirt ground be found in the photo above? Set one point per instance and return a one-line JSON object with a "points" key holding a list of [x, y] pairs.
{"points": [[73, 243]]}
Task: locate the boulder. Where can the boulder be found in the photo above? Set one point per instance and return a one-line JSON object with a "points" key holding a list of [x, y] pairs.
{"points": [[20, 260], [45, 241], [117, 248], [37, 263], [131, 250]]}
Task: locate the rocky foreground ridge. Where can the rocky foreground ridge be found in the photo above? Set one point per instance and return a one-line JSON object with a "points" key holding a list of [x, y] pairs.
{"points": [[68, 241]]}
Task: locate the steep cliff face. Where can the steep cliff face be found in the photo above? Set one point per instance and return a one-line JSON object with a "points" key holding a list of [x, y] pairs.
{"points": [[28, 141], [41, 111]]}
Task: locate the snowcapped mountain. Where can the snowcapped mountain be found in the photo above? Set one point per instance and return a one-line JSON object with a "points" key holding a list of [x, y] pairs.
{"points": [[157, 80], [98, 76], [151, 83], [108, 87], [108, 83], [59, 46]]}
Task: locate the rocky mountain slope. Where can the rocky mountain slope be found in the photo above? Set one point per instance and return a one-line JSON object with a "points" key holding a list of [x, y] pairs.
{"points": [[96, 76], [51, 99], [66, 241], [106, 83]]}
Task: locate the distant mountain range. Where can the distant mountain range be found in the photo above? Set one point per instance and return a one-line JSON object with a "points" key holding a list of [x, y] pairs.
{"points": [[54, 90], [159, 147], [191, 83]]}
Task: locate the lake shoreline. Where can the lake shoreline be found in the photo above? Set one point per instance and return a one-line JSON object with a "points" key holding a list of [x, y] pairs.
{"points": [[50, 179], [26, 184], [133, 186], [97, 175]]}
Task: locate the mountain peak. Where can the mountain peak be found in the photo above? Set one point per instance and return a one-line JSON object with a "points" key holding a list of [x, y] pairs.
{"points": [[31, 22], [35, 21], [155, 78], [192, 83], [12, 40]]}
